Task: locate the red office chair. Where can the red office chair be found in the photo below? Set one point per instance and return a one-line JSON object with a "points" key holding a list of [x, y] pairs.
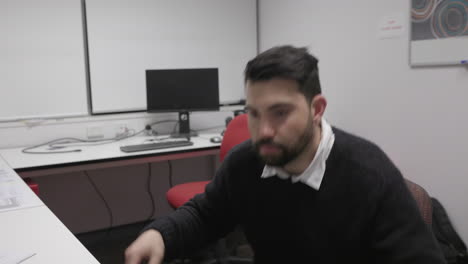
{"points": [[236, 132]]}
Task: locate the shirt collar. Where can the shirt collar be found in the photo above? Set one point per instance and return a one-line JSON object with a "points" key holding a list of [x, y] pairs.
{"points": [[313, 175]]}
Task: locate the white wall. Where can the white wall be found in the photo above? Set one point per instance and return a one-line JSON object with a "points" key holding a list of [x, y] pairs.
{"points": [[417, 115]]}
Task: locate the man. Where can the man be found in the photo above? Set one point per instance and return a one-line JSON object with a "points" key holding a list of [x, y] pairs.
{"points": [[302, 191]]}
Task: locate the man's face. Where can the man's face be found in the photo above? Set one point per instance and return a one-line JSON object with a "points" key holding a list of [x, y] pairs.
{"points": [[280, 120]]}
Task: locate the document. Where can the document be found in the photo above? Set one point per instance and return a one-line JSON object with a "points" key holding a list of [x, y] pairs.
{"points": [[14, 193]]}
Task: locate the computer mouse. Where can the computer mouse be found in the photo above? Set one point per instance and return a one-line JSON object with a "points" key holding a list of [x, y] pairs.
{"points": [[216, 139]]}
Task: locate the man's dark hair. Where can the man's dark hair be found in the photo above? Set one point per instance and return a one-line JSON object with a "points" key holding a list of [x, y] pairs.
{"points": [[286, 62]]}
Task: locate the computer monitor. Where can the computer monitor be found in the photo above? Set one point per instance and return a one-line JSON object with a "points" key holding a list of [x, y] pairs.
{"points": [[182, 91]]}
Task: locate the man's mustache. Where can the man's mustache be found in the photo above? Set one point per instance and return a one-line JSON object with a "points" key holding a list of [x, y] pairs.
{"points": [[267, 141]]}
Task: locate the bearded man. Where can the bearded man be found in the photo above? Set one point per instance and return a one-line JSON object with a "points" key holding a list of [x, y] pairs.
{"points": [[301, 190]]}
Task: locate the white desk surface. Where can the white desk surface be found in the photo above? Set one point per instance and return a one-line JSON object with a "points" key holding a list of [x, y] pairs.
{"points": [[33, 228], [38, 230], [18, 160]]}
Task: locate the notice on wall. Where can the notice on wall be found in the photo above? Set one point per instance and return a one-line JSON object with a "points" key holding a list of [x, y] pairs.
{"points": [[391, 27]]}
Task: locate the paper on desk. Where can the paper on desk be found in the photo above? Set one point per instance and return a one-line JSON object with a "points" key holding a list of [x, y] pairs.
{"points": [[14, 193]]}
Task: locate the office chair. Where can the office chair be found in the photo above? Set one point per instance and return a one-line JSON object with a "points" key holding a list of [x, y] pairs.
{"points": [[235, 133], [423, 200]]}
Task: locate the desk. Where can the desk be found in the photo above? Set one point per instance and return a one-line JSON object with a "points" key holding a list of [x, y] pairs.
{"points": [[103, 156], [38, 230], [121, 177], [35, 229]]}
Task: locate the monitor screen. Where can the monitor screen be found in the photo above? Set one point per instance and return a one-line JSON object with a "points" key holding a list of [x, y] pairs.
{"points": [[175, 90]]}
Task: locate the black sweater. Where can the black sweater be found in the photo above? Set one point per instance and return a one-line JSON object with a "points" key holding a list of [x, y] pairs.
{"points": [[363, 212]]}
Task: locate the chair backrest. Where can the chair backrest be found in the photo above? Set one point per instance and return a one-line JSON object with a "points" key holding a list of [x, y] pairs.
{"points": [[237, 131], [422, 199]]}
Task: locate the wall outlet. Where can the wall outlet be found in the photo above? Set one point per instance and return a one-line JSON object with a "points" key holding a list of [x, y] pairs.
{"points": [[106, 131], [94, 132]]}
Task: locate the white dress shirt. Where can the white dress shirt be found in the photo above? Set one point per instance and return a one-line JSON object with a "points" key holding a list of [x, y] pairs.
{"points": [[313, 175]]}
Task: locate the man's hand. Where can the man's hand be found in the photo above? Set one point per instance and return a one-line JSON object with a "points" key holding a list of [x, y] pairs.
{"points": [[148, 246]]}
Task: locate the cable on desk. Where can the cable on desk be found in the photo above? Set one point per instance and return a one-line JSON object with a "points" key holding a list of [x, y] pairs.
{"points": [[54, 144], [27, 150], [209, 128], [56, 148], [109, 210], [174, 129], [162, 121], [150, 193]]}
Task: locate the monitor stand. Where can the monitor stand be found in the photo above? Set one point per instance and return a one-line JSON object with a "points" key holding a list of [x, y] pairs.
{"points": [[184, 126]]}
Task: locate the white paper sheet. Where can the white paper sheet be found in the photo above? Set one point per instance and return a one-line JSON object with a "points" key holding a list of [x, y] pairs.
{"points": [[14, 193]]}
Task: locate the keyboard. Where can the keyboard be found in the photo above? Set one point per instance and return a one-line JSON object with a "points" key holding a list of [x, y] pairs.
{"points": [[156, 145]]}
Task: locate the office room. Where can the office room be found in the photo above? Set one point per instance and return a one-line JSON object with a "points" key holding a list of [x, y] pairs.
{"points": [[78, 71]]}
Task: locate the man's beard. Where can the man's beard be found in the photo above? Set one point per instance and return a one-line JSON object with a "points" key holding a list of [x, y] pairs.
{"points": [[286, 153]]}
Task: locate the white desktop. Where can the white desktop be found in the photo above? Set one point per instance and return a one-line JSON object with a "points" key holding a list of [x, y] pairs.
{"points": [[101, 153], [30, 232]]}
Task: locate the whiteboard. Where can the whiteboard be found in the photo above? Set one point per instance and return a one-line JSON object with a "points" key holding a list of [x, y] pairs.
{"points": [[126, 37], [42, 65]]}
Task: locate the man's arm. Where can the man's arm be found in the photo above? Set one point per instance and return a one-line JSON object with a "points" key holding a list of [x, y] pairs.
{"points": [[202, 220], [149, 246]]}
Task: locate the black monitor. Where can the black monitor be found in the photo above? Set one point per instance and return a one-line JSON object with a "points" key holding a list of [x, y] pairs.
{"points": [[183, 91]]}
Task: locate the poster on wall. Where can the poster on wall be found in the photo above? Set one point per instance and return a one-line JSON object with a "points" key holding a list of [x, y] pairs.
{"points": [[439, 32]]}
